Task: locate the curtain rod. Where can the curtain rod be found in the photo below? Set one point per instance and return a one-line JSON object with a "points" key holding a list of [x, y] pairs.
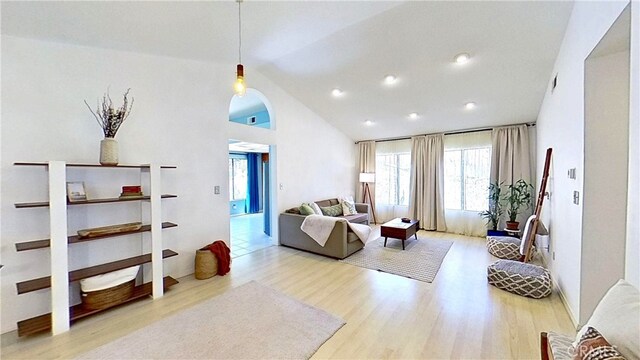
{"points": [[463, 131]]}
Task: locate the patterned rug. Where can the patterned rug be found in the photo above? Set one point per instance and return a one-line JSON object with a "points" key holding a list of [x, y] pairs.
{"points": [[420, 260]]}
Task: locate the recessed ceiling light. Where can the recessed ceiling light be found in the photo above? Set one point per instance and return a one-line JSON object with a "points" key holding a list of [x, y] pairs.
{"points": [[390, 79], [470, 105], [368, 122], [462, 58], [413, 116], [336, 92]]}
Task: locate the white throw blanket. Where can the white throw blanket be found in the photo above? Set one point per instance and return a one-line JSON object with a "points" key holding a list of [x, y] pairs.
{"points": [[319, 227]]}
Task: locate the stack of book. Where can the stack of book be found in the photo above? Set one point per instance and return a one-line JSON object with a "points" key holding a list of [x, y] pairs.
{"points": [[131, 191]]}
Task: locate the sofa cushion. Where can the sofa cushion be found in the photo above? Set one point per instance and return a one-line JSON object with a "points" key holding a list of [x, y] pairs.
{"points": [[316, 208], [348, 207], [357, 218], [327, 203], [334, 210], [593, 346], [617, 318], [305, 209]]}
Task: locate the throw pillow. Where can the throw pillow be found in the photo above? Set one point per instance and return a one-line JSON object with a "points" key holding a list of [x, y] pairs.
{"points": [[593, 346], [348, 208], [616, 318], [316, 208], [305, 209], [334, 210]]}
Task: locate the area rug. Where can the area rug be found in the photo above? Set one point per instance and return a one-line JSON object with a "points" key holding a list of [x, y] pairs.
{"points": [[421, 259], [252, 321]]}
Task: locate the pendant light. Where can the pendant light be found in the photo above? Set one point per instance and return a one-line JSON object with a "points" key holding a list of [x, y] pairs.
{"points": [[239, 86]]}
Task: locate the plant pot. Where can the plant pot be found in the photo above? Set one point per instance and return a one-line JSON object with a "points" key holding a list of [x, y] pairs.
{"points": [[109, 151], [496, 233], [513, 225]]}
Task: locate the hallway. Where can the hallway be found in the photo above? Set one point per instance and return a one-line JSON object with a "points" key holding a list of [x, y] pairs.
{"points": [[247, 234]]}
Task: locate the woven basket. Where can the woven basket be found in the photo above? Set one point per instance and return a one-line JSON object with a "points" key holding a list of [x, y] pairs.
{"points": [[206, 264], [102, 299]]}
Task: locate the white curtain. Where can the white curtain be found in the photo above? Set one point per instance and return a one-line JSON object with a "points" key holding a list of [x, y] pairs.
{"points": [[510, 159], [466, 222], [387, 212], [426, 202], [366, 164]]}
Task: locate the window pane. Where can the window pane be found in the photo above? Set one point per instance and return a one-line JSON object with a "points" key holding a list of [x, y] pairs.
{"points": [[239, 179], [230, 179], [477, 165], [453, 179], [404, 178], [386, 179]]}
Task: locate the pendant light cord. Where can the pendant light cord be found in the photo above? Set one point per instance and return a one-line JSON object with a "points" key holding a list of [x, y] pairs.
{"points": [[239, 32]]}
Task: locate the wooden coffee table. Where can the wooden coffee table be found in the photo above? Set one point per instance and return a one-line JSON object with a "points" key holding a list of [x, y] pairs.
{"points": [[399, 230]]}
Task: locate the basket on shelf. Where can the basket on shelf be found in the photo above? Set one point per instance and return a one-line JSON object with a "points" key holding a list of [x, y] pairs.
{"points": [[206, 264], [107, 290]]}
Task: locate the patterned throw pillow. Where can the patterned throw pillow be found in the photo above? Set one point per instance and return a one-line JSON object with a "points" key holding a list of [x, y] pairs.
{"points": [[348, 208], [305, 209], [333, 210], [593, 346]]}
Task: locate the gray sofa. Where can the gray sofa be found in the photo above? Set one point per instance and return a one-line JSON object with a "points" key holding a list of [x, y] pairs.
{"points": [[341, 243]]}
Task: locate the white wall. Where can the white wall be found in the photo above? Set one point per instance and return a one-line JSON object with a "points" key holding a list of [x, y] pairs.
{"points": [[632, 265], [560, 125], [604, 200], [180, 117]]}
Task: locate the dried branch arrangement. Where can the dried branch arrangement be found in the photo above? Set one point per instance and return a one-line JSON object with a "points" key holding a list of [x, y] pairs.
{"points": [[110, 118]]}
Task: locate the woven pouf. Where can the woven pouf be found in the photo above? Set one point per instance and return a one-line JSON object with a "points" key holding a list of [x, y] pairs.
{"points": [[520, 278], [504, 247]]}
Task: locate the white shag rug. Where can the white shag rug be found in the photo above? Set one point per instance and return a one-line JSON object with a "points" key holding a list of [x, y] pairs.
{"points": [[251, 321], [421, 259]]}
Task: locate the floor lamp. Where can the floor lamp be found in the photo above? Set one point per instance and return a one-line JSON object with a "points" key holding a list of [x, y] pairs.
{"points": [[365, 179]]}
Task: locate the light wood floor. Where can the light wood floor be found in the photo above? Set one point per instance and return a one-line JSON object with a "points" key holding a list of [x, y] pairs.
{"points": [[457, 316]]}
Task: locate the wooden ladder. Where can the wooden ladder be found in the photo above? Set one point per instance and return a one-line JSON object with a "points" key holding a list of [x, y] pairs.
{"points": [[541, 195]]}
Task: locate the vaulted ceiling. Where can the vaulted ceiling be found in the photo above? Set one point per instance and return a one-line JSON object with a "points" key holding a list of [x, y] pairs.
{"points": [[309, 48]]}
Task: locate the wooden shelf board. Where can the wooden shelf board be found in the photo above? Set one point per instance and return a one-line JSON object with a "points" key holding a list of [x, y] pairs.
{"points": [[124, 166], [76, 312], [45, 282], [92, 201], [45, 243]]}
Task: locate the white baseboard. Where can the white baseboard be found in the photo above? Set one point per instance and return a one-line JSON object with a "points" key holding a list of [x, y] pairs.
{"points": [[565, 303]]}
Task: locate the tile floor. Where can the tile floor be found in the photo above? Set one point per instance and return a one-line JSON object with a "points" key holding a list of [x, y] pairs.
{"points": [[247, 234]]}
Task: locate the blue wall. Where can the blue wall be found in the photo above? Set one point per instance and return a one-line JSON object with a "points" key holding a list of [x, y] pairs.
{"points": [[262, 119]]}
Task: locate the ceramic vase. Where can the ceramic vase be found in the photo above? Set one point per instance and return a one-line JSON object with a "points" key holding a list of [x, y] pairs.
{"points": [[109, 151]]}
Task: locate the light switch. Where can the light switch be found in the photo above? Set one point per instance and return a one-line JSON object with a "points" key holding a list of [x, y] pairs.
{"points": [[216, 189], [571, 174]]}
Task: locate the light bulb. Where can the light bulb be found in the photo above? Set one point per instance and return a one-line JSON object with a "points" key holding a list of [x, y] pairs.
{"points": [[336, 92], [368, 122], [462, 58], [389, 79], [239, 87], [413, 116], [470, 105]]}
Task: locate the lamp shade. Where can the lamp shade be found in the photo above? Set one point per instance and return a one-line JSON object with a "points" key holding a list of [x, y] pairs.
{"points": [[367, 177]]}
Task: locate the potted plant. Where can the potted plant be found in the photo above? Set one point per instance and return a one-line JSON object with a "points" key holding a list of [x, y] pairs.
{"points": [[110, 119], [518, 198], [493, 214]]}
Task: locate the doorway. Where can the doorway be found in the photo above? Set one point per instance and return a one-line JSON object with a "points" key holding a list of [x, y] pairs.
{"points": [[249, 197], [606, 157]]}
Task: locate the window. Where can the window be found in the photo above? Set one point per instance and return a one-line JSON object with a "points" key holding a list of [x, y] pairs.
{"points": [[237, 177], [466, 178], [392, 178]]}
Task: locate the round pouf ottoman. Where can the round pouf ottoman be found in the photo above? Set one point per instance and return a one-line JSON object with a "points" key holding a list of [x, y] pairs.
{"points": [[504, 247], [520, 278]]}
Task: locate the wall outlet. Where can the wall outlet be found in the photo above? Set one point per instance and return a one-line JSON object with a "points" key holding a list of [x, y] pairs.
{"points": [[281, 186], [216, 189], [576, 197]]}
